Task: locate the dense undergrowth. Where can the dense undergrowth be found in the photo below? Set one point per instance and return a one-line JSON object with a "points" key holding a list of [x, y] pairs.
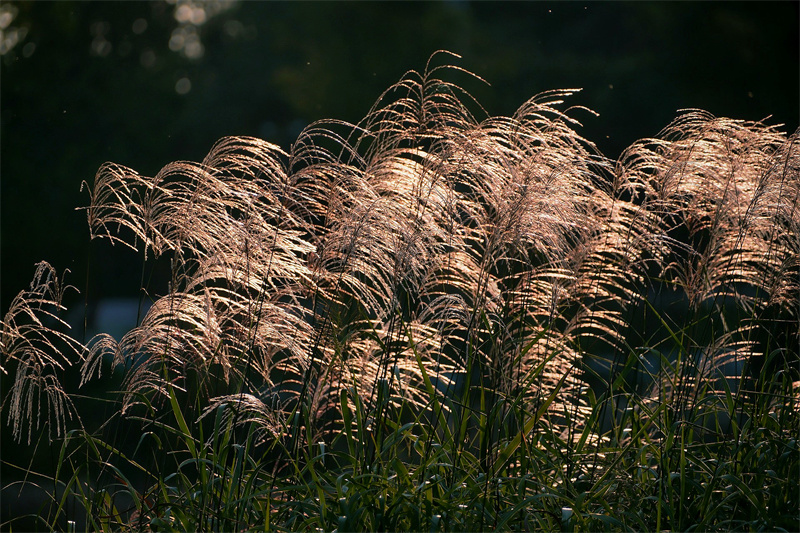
{"points": [[433, 320]]}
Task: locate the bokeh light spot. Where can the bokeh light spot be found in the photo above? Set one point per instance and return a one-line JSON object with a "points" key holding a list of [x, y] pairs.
{"points": [[139, 26], [183, 86]]}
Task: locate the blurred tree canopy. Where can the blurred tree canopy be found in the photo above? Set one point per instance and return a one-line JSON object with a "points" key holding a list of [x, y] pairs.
{"points": [[146, 83]]}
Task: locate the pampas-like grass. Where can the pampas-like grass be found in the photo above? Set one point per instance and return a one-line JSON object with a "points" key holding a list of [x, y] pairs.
{"points": [[34, 340], [511, 237], [434, 263]]}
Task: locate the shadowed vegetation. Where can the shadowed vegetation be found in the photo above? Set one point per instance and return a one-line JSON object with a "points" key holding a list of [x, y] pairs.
{"points": [[435, 320]]}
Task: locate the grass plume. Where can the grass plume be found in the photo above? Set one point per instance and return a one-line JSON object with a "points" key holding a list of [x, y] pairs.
{"points": [[439, 319]]}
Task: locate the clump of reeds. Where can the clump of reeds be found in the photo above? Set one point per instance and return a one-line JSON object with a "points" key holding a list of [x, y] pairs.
{"points": [[407, 312]]}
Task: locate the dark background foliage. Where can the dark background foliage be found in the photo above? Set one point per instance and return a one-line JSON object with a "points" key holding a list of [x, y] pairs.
{"points": [[91, 82]]}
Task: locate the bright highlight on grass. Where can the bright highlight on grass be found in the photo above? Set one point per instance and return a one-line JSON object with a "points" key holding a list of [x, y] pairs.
{"points": [[434, 320]]}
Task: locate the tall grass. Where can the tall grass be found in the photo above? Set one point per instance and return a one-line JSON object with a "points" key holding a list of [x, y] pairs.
{"points": [[434, 320]]}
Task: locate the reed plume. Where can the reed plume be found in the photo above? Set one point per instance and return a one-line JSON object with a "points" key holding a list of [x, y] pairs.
{"points": [[37, 347], [724, 194], [433, 263], [481, 245]]}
